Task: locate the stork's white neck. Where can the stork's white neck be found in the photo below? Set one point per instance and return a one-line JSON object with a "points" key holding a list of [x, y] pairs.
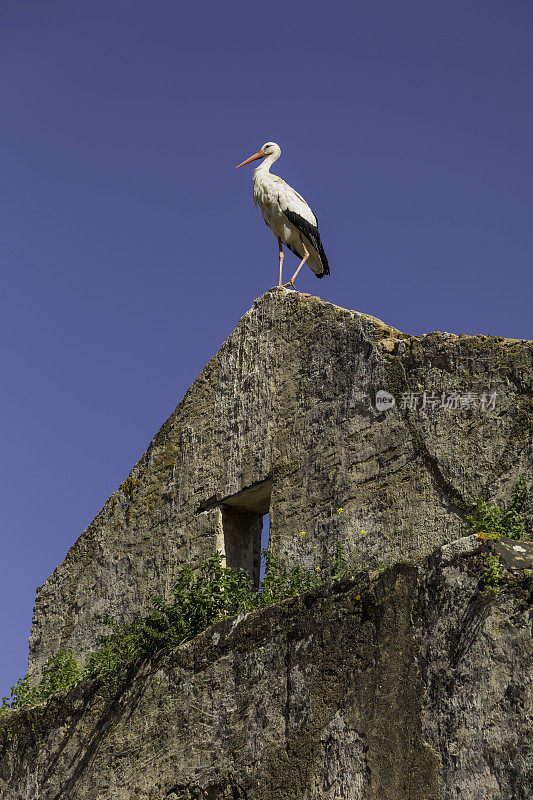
{"points": [[265, 165]]}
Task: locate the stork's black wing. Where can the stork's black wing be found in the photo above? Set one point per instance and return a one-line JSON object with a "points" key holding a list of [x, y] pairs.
{"points": [[311, 233]]}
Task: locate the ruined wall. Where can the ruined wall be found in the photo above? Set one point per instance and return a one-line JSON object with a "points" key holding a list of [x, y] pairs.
{"points": [[412, 684], [287, 409]]}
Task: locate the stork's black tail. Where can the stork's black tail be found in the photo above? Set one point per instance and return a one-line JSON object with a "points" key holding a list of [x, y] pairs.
{"points": [[321, 253]]}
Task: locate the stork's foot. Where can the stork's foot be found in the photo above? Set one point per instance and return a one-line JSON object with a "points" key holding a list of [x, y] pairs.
{"points": [[289, 283]]}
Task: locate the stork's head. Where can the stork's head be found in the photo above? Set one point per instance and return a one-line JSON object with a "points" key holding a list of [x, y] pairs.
{"points": [[270, 150]]}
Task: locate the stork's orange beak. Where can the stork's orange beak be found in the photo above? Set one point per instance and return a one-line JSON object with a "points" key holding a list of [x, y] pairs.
{"points": [[255, 156]]}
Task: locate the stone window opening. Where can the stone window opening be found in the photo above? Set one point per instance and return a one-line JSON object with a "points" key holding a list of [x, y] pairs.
{"points": [[242, 533]]}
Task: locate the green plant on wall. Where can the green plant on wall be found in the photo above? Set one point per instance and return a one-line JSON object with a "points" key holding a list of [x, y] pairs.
{"points": [[493, 575], [501, 519], [281, 581], [199, 599], [61, 672]]}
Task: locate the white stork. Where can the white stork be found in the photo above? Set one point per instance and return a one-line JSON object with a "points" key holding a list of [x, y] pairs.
{"points": [[287, 214]]}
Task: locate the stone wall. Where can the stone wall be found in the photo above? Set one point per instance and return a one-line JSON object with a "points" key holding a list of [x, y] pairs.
{"points": [[410, 684], [284, 418]]}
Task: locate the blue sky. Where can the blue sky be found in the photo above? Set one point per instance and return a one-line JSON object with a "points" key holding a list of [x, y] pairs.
{"points": [[129, 247]]}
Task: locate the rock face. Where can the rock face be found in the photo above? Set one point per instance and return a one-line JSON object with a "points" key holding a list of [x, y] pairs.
{"points": [[285, 419], [407, 684]]}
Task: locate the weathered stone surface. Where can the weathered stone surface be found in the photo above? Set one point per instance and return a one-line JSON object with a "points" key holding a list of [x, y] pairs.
{"points": [[476, 661], [410, 684], [288, 406], [514, 555]]}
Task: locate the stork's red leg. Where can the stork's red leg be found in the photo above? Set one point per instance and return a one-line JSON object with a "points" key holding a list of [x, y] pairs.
{"points": [[304, 259], [281, 257]]}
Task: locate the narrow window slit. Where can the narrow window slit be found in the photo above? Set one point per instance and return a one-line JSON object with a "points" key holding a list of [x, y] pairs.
{"points": [[246, 528]]}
